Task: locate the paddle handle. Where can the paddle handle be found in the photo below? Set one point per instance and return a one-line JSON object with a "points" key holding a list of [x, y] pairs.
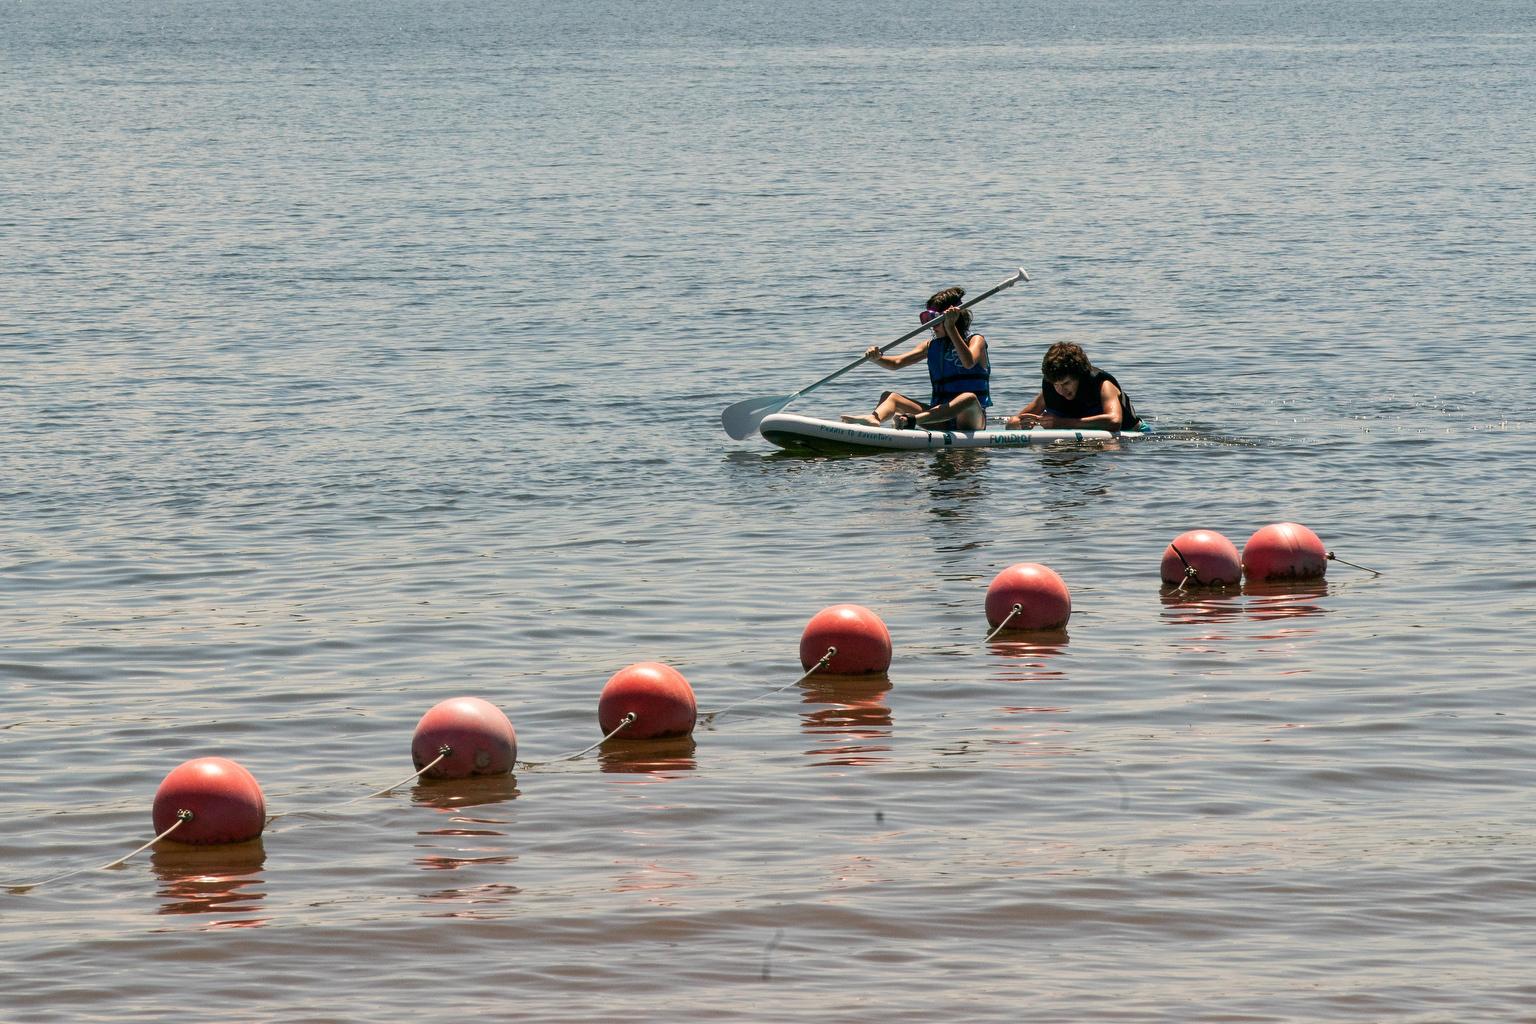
{"points": [[1020, 275]]}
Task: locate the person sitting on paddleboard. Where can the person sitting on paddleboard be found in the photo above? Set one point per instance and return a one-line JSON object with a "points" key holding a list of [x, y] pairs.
{"points": [[958, 369], [1075, 393]]}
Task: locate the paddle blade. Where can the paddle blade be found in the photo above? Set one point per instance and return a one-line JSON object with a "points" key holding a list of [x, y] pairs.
{"points": [[741, 419]]}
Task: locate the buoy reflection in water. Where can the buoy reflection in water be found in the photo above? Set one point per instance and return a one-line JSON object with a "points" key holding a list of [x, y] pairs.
{"points": [[458, 840], [222, 880], [474, 791], [1201, 607], [853, 707], [1282, 601], [1285, 599], [648, 760]]}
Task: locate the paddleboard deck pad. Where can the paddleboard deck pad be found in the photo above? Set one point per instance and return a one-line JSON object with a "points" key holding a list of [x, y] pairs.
{"points": [[806, 433]]}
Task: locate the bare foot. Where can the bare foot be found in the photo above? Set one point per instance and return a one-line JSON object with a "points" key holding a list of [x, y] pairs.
{"points": [[867, 419]]}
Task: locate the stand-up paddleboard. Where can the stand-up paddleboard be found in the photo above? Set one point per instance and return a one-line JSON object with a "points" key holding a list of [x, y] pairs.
{"points": [[805, 433]]}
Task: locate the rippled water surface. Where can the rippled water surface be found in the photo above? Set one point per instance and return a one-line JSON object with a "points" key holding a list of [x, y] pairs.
{"points": [[359, 356]]}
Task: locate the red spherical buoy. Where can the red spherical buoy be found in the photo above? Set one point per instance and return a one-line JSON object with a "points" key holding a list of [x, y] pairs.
{"points": [[657, 695], [223, 800], [862, 641], [479, 738], [1201, 558], [1040, 594], [1284, 551]]}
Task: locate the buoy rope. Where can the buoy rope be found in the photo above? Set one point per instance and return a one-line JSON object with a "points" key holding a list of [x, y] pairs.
{"points": [[1335, 558], [1004, 624], [624, 723], [709, 716], [1189, 570], [442, 752], [182, 817]]}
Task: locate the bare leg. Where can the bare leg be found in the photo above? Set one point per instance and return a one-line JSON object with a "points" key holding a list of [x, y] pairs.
{"points": [[891, 404], [965, 409]]}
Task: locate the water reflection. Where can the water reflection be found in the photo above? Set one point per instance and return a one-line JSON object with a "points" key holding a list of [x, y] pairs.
{"points": [[813, 453], [447, 794], [456, 833], [855, 710], [957, 472], [654, 760], [470, 856], [1029, 654], [1027, 741], [1072, 481], [462, 902], [211, 880], [1201, 605], [655, 879], [1276, 602], [957, 491], [1285, 599], [1029, 643], [466, 841]]}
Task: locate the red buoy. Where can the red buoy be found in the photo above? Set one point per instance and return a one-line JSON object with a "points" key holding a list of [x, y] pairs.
{"points": [[1201, 558], [479, 738], [862, 641], [1284, 551], [1040, 594], [224, 801], [657, 695]]}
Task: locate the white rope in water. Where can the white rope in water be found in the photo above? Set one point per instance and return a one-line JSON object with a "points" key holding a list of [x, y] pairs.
{"points": [[709, 716], [624, 723], [442, 752], [1004, 624], [182, 817]]}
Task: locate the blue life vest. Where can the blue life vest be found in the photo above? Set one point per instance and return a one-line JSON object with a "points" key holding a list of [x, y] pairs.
{"points": [[1089, 400], [952, 378]]}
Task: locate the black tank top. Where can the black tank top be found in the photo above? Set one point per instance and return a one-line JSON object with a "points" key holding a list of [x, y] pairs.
{"points": [[1089, 400]]}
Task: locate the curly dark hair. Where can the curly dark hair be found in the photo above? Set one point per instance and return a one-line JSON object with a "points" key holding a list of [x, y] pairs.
{"points": [[942, 300], [1066, 359]]}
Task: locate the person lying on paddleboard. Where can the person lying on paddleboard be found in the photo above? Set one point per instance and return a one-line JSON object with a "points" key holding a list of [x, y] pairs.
{"points": [[1075, 393], [958, 369]]}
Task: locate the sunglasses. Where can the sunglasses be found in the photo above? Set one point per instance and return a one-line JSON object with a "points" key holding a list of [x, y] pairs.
{"points": [[927, 315]]}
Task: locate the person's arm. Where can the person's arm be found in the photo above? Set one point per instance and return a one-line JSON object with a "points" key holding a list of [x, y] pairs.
{"points": [[1109, 419], [1027, 416], [897, 362], [969, 350]]}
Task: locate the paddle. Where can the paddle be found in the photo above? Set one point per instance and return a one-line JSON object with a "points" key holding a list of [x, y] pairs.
{"points": [[741, 420]]}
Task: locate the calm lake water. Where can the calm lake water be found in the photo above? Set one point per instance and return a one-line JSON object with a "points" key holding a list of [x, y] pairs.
{"points": [[359, 356]]}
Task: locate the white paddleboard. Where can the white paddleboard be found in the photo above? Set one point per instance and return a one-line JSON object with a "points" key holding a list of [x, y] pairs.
{"points": [[806, 433]]}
